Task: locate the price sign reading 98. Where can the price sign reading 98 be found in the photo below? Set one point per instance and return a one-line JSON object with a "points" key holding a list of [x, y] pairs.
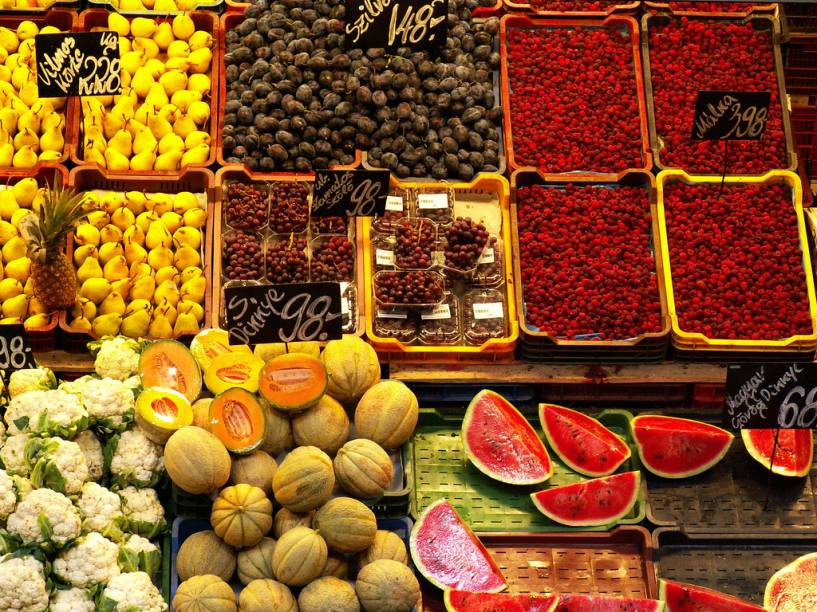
{"points": [[15, 353]]}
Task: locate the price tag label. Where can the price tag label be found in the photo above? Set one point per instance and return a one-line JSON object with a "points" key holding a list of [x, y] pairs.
{"points": [[437, 258], [438, 313], [432, 201], [731, 115], [391, 314], [384, 257], [77, 64], [488, 310], [419, 24], [771, 396], [487, 257], [297, 312], [358, 193], [15, 353], [394, 203]]}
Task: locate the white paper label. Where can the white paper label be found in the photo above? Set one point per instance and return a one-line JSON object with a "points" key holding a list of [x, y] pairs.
{"points": [[437, 258], [394, 203], [392, 314], [488, 310], [344, 306], [427, 201], [487, 257], [438, 313], [384, 257]]}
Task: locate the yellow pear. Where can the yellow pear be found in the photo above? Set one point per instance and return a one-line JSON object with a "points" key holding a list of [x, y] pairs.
{"points": [[89, 269], [184, 126], [93, 155], [7, 231], [110, 233], [95, 290], [116, 161], [197, 155], [98, 218], [27, 137], [144, 161], [193, 289], [168, 162], [143, 220], [200, 60], [113, 303], [81, 324], [196, 138], [52, 140], [86, 233], [116, 269], [200, 39], [171, 220], [18, 216], [26, 157], [6, 155], [166, 273], [24, 191], [147, 45], [160, 257], [106, 325], [158, 235], [160, 327], [170, 142], [143, 27], [185, 201], [9, 288], [19, 268], [50, 156], [186, 306], [134, 234], [28, 288], [173, 81], [165, 6], [40, 319], [16, 306], [135, 201], [83, 252], [163, 36], [185, 324], [187, 235], [13, 249], [183, 98], [109, 250], [29, 120], [137, 304], [122, 141], [140, 269], [183, 27], [143, 288], [136, 324], [142, 81], [111, 124], [195, 218], [178, 48], [135, 252], [160, 203], [190, 273], [118, 24], [123, 218], [122, 286], [157, 96], [186, 256], [83, 308], [144, 141], [8, 204], [166, 310], [111, 201], [177, 63], [159, 126], [27, 29]]}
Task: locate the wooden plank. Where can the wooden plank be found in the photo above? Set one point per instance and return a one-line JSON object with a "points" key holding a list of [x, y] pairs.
{"points": [[521, 372], [60, 361]]}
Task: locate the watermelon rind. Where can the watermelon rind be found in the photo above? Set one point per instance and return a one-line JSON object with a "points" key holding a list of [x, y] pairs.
{"points": [[415, 544], [806, 601], [708, 599], [473, 456], [614, 442], [607, 520], [765, 461], [493, 602], [601, 603], [703, 429]]}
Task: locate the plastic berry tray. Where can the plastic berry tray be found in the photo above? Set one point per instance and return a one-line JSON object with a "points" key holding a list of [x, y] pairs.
{"points": [[735, 564], [440, 470], [542, 346], [618, 564], [625, 22], [623, 7], [759, 22], [689, 343]]}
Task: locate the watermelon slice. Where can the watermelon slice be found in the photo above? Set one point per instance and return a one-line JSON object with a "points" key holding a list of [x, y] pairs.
{"points": [[600, 603], [680, 597], [501, 443], [596, 502], [793, 588], [464, 601], [672, 447], [582, 443], [794, 453], [449, 555]]}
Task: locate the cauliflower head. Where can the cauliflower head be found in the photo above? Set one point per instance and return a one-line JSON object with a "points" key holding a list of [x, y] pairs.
{"points": [[8, 495], [46, 413], [92, 449], [90, 560], [116, 357], [144, 514], [31, 379], [134, 459], [131, 591], [24, 588], [45, 518], [56, 464], [71, 600], [138, 554], [101, 511], [110, 404], [13, 455]]}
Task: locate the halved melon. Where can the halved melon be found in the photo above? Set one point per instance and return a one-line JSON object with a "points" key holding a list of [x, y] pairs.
{"points": [[465, 601], [237, 419], [680, 597], [293, 382], [270, 351], [161, 412], [601, 603], [169, 364], [233, 370], [210, 343], [793, 588], [792, 457]]}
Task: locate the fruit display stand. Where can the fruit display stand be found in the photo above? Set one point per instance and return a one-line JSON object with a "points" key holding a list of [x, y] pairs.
{"points": [[623, 25], [352, 302], [204, 21], [195, 5], [688, 343], [469, 200], [440, 470], [585, 8], [196, 181], [537, 345], [618, 563]]}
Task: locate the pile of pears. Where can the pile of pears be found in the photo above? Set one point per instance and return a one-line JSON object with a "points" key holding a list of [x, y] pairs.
{"points": [[16, 291], [139, 265], [160, 120], [159, 6], [32, 129]]}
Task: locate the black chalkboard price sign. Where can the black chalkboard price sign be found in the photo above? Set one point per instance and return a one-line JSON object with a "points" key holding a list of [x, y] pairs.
{"points": [[78, 64], [419, 24], [730, 115], [771, 396], [297, 312], [359, 193], [15, 353]]}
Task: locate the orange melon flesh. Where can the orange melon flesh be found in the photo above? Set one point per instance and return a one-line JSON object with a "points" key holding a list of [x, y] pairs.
{"points": [[233, 370], [212, 342], [237, 419], [169, 364], [293, 382], [160, 412]]}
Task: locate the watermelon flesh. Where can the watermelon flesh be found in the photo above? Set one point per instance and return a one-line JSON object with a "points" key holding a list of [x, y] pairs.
{"points": [[449, 555], [581, 442], [501, 443], [794, 587], [464, 601], [794, 453], [600, 603], [680, 597], [672, 447], [592, 503]]}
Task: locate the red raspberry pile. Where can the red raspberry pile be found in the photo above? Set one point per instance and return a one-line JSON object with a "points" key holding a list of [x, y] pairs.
{"points": [[688, 56], [586, 262], [737, 269], [575, 5], [573, 99]]}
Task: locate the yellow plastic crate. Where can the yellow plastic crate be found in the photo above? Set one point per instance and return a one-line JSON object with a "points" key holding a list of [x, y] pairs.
{"points": [[696, 341]]}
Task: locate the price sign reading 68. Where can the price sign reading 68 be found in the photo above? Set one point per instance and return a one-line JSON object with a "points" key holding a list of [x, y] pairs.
{"points": [[798, 410]]}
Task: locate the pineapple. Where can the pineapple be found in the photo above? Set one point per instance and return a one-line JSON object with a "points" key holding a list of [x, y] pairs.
{"points": [[52, 273]]}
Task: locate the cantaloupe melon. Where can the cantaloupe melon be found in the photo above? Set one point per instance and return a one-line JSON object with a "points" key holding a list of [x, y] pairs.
{"points": [[161, 412], [352, 367], [241, 515], [293, 382], [256, 469], [207, 593], [210, 343], [237, 419], [196, 460], [170, 364], [203, 553], [324, 426], [233, 370]]}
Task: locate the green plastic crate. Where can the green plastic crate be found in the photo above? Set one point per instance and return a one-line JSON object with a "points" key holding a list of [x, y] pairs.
{"points": [[441, 470]]}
